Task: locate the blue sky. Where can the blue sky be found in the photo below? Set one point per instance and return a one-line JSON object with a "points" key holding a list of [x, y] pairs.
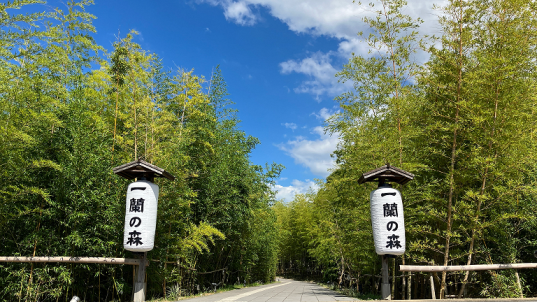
{"points": [[278, 57]]}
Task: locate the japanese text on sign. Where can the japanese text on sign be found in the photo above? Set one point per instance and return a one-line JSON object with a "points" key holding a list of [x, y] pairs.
{"points": [[387, 220], [140, 216], [390, 210], [137, 205]]}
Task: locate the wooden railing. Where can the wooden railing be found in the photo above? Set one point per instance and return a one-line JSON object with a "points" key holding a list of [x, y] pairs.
{"points": [[69, 259], [456, 268]]}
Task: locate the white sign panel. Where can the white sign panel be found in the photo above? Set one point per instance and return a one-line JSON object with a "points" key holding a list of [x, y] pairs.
{"points": [[140, 216], [388, 221]]}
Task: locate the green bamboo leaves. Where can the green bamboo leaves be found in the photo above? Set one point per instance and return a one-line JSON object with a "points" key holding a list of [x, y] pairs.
{"points": [[463, 123], [68, 114]]}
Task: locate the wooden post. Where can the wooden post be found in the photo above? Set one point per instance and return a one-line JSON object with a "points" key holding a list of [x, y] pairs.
{"points": [[518, 284], [139, 285], [393, 280], [385, 286], [433, 294]]}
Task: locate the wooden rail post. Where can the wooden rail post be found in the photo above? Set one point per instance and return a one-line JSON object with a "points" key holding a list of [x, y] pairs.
{"points": [[140, 285], [433, 292]]}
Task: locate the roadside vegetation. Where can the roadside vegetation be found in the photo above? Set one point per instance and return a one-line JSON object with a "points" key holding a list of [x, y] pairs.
{"points": [[462, 119], [174, 293], [464, 122], [70, 111]]}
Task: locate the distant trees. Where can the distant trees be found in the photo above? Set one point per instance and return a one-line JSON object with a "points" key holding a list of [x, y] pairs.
{"points": [[69, 113], [464, 124]]}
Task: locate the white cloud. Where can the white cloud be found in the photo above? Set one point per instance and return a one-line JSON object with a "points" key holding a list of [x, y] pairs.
{"points": [[239, 12], [318, 68], [353, 45], [337, 18], [324, 114], [340, 19], [297, 187], [313, 154], [291, 126]]}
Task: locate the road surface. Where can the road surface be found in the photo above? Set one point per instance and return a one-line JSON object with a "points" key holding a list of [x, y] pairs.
{"points": [[286, 290]]}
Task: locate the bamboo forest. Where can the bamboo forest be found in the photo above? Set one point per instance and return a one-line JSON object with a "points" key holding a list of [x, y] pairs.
{"points": [[462, 121]]}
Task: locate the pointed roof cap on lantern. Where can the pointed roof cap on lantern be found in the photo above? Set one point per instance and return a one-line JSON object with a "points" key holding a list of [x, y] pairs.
{"points": [[141, 168], [387, 173]]}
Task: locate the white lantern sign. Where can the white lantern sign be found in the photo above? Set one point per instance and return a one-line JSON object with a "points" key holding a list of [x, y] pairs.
{"points": [[140, 216], [387, 217], [388, 221]]}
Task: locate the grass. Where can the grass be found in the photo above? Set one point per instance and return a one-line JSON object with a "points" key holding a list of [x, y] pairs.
{"points": [[351, 292], [174, 293]]}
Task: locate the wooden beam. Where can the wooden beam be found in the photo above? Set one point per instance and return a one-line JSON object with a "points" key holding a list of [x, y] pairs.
{"points": [[67, 259], [456, 268]]}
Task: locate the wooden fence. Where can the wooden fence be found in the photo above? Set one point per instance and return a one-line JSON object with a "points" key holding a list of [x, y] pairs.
{"points": [[67, 259]]}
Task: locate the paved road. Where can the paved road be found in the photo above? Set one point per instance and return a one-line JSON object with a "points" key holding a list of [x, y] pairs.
{"points": [[285, 290]]}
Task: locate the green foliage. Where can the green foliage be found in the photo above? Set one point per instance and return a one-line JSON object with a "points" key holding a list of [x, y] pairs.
{"points": [[463, 122], [64, 124]]}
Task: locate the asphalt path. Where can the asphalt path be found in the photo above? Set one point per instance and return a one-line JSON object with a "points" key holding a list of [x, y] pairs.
{"points": [[286, 290]]}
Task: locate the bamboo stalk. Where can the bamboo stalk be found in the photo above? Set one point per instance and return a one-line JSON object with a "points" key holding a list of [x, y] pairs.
{"points": [[35, 247], [456, 268], [117, 101]]}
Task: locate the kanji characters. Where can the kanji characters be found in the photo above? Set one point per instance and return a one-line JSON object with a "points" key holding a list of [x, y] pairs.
{"points": [[134, 238], [137, 205], [390, 210], [393, 242], [385, 194]]}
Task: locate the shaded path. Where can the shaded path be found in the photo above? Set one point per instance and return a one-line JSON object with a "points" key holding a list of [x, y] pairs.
{"points": [[286, 290]]}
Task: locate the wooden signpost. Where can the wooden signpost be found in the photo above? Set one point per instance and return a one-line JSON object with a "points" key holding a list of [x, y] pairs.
{"points": [[387, 217], [141, 214]]}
